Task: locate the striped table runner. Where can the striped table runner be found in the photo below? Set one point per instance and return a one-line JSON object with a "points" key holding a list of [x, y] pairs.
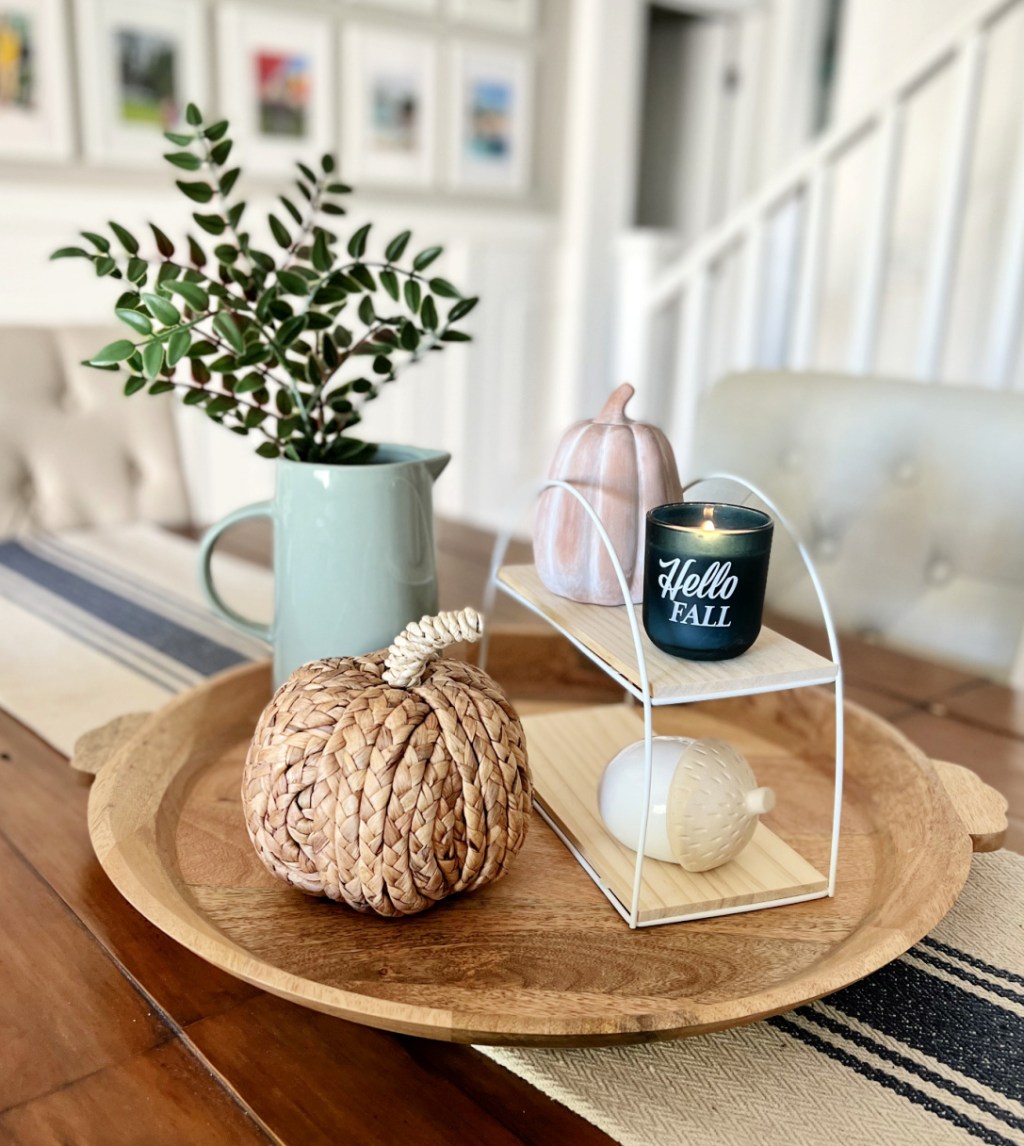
{"points": [[928, 1050], [99, 622]]}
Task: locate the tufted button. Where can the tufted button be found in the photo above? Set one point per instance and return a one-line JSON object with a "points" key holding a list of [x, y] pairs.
{"points": [[789, 459], [870, 634], [133, 470], [939, 571], [905, 471], [826, 547]]}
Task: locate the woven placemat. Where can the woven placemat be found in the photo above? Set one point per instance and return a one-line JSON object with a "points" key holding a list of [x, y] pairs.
{"points": [[928, 1050]]}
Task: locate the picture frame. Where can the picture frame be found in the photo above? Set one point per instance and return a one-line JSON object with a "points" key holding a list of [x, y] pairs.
{"points": [[422, 7], [139, 65], [491, 135], [276, 83], [35, 109], [500, 15], [390, 106]]}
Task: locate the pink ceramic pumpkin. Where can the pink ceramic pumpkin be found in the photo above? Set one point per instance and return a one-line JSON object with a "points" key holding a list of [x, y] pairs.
{"points": [[623, 468]]}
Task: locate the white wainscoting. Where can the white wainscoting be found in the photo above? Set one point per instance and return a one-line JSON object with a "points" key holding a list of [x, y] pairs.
{"points": [[486, 402]]}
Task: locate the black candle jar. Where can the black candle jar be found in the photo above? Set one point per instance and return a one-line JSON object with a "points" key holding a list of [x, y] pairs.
{"points": [[706, 566]]}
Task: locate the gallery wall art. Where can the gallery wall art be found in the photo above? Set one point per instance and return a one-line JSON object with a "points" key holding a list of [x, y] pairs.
{"points": [[139, 65], [389, 106], [492, 110], [35, 121], [276, 83]]}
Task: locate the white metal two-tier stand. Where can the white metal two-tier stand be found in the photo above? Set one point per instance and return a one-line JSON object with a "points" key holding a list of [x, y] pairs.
{"points": [[569, 750]]}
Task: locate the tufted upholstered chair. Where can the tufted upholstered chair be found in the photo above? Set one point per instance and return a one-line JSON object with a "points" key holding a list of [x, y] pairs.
{"points": [[73, 451], [909, 496]]}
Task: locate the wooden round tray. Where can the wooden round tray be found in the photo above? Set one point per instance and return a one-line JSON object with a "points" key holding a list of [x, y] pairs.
{"points": [[540, 957]]}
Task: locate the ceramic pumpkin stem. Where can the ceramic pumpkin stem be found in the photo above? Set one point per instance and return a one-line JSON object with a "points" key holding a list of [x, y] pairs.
{"points": [[613, 412], [422, 641]]}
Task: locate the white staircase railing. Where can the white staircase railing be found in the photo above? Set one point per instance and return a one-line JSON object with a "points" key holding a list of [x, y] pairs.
{"points": [[799, 198]]}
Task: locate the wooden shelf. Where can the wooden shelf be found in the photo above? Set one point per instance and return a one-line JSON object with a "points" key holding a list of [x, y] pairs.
{"points": [[568, 753], [603, 633]]}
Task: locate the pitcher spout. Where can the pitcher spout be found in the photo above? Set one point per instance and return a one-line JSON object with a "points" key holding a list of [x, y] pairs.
{"points": [[436, 463]]}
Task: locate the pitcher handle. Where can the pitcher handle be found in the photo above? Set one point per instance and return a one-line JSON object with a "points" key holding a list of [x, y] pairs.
{"points": [[214, 599]]}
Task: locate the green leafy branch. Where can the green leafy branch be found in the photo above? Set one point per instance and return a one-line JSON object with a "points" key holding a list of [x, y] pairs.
{"points": [[289, 344]]}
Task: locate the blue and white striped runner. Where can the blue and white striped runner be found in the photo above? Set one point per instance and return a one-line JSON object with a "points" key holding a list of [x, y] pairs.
{"points": [[929, 1050], [101, 622]]}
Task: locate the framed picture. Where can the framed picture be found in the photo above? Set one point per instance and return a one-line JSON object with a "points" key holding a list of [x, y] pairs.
{"points": [[424, 7], [139, 65], [390, 107], [492, 106], [35, 119], [276, 75], [507, 15]]}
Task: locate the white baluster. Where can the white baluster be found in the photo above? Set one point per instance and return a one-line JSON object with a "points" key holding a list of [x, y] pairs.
{"points": [[805, 325], [953, 193], [748, 328], [690, 380]]}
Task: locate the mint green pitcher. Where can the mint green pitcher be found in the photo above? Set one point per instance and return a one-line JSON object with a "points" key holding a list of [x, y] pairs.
{"points": [[354, 558]]}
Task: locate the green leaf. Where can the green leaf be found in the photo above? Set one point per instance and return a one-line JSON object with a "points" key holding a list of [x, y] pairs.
{"points": [[283, 401], [134, 385], [70, 253], [163, 243], [268, 450], [195, 397], [425, 258], [98, 241], [279, 231], [167, 272], [248, 384], [462, 308], [363, 276], [196, 253], [178, 346], [193, 115], [291, 329], [221, 404], [152, 359], [456, 336], [332, 209], [220, 153], [161, 386], [184, 159], [339, 189], [292, 282], [137, 270], [428, 313], [166, 312], [202, 348], [321, 254], [444, 288], [409, 336], [280, 309], [290, 207], [197, 192], [362, 385], [178, 139], [113, 352], [192, 293], [413, 295], [357, 244], [225, 253], [135, 319], [381, 365], [306, 172], [125, 238], [235, 214], [327, 164], [366, 312], [217, 130], [227, 181], [105, 265], [396, 248], [199, 370], [211, 224], [330, 352], [318, 321], [225, 325]]}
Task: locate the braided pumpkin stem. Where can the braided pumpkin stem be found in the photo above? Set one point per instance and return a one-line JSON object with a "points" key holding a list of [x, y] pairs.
{"points": [[424, 640]]}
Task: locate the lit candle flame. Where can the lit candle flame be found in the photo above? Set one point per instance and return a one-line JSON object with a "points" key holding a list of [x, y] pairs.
{"points": [[709, 518]]}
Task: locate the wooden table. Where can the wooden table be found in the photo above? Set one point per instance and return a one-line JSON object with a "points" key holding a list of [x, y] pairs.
{"points": [[111, 1033]]}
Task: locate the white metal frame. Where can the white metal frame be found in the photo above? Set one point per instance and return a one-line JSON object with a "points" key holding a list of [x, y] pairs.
{"points": [[642, 694]]}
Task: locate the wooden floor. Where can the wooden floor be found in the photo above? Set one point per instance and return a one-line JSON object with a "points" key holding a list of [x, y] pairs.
{"points": [[110, 1033]]}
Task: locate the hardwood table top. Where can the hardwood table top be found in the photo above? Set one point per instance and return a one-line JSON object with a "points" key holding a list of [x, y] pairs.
{"points": [[111, 1033]]}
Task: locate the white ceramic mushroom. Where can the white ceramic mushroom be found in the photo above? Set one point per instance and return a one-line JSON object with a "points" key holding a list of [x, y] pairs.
{"points": [[705, 800]]}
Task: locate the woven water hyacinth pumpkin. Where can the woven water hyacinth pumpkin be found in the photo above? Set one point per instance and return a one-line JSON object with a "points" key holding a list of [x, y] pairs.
{"points": [[392, 780]]}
